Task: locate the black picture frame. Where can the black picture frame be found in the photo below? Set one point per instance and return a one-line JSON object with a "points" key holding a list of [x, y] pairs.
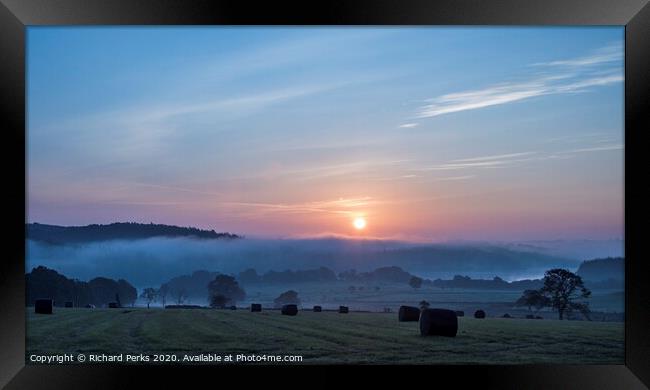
{"points": [[16, 15]]}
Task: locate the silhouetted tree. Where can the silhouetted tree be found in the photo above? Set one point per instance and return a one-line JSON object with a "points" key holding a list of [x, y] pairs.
{"points": [[162, 293], [179, 295], [191, 286], [424, 305], [149, 294], [218, 301], [565, 290], [228, 287], [128, 293], [43, 282], [533, 298], [287, 297]]}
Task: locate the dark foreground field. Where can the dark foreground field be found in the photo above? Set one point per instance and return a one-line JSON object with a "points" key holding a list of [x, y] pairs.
{"points": [[326, 337]]}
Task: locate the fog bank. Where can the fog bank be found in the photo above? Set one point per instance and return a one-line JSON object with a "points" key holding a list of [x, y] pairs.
{"points": [[156, 260]]}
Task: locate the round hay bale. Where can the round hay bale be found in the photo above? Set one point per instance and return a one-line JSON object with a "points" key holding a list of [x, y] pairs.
{"points": [[343, 309], [43, 306], [256, 307], [479, 314], [408, 314], [318, 309], [507, 315], [460, 313], [68, 304], [438, 322], [290, 310]]}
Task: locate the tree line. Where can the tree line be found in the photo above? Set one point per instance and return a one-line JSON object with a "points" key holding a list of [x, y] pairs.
{"points": [[222, 291], [43, 282]]}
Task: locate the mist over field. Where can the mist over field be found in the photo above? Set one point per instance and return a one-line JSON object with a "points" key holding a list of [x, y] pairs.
{"points": [[155, 260]]}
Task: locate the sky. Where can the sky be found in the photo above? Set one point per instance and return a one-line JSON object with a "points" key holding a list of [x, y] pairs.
{"points": [[428, 133]]}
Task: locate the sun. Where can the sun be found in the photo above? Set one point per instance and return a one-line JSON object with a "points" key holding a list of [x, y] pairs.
{"points": [[359, 223]]}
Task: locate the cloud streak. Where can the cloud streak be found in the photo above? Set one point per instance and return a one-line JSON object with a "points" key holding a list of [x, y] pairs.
{"points": [[341, 206], [569, 76], [408, 125], [510, 159], [597, 149], [610, 53], [495, 157]]}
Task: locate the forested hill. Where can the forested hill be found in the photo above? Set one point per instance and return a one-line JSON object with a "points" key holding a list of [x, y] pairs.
{"points": [[603, 269], [115, 231]]}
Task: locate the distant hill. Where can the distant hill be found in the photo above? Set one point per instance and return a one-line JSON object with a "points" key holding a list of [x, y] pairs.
{"points": [[322, 274], [574, 249], [447, 260], [603, 269], [115, 231], [496, 283], [381, 274]]}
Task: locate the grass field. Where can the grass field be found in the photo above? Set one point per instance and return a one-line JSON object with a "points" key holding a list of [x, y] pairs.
{"points": [[326, 337], [393, 295]]}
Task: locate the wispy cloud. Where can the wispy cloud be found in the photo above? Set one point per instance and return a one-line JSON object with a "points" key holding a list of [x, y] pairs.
{"points": [[455, 178], [495, 157], [576, 138], [561, 77], [491, 161], [491, 96], [454, 166], [173, 188], [511, 159], [597, 149], [610, 53], [408, 125], [347, 168], [245, 104], [341, 206]]}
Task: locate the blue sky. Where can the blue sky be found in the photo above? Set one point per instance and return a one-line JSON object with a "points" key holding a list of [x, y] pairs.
{"points": [[427, 133]]}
